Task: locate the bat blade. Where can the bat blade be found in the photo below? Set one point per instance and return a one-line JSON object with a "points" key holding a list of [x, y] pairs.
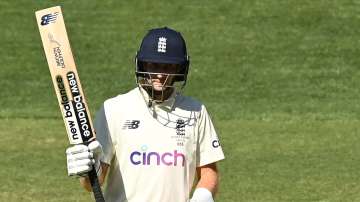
{"points": [[69, 93]]}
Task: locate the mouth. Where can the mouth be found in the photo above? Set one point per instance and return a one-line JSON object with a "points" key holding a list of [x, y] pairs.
{"points": [[157, 82], [158, 86]]}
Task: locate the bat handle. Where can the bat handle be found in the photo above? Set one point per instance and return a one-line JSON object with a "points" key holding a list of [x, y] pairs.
{"points": [[94, 181]]}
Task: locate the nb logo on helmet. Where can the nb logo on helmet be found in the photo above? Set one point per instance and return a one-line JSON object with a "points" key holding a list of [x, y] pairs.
{"points": [[162, 45]]}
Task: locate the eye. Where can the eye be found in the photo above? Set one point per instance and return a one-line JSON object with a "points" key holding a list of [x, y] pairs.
{"points": [[162, 68], [149, 67]]}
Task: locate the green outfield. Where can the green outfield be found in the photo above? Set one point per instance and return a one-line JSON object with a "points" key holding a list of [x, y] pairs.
{"points": [[280, 79]]}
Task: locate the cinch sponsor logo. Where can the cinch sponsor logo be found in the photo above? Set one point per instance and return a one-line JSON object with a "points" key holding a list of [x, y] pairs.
{"points": [[46, 19], [174, 158]]}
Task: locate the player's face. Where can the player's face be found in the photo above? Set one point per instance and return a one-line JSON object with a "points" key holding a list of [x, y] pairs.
{"points": [[160, 74]]}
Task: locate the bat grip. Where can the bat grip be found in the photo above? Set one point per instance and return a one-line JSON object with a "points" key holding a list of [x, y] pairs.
{"points": [[94, 181]]}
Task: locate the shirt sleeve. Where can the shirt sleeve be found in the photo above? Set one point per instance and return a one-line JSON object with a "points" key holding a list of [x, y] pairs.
{"points": [[103, 136], [208, 149]]}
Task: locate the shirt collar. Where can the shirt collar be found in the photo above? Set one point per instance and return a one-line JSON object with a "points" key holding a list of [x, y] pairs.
{"points": [[165, 105]]}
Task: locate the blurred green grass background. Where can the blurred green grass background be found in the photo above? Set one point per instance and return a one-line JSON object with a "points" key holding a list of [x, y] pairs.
{"points": [[280, 79]]}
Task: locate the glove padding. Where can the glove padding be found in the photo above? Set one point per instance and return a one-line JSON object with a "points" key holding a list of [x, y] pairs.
{"points": [[81, 158], [201, 195]]}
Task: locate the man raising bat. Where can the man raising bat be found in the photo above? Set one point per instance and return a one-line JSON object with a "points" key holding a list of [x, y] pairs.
{"points": [[153, 141]]}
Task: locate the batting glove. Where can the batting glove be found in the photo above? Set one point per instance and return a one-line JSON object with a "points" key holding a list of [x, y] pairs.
{"points": [[202, 195], [81, 158]]}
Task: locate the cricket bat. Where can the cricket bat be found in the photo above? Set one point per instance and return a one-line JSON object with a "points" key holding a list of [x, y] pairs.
{"points": [[66, 82]]}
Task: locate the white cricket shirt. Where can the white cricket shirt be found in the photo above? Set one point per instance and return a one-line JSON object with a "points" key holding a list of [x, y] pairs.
{"points": [[153, 151]]}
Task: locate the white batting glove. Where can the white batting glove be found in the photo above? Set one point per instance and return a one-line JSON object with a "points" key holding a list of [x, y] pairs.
{"points": [[202, 195], [81, 158]]}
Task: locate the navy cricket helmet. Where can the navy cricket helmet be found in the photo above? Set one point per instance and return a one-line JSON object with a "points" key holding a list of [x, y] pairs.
{"points": [[163, 45]]}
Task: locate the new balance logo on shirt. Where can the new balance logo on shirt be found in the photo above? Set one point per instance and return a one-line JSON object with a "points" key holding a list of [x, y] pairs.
{"points": [[131, 124]]}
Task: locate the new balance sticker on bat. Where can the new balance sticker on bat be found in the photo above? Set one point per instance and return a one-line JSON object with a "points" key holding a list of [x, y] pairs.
{"points": [[49, 18], [131, 124]]}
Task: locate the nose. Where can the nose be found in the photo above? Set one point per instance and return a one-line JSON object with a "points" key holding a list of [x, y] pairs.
{"points": [[159, 76]]}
